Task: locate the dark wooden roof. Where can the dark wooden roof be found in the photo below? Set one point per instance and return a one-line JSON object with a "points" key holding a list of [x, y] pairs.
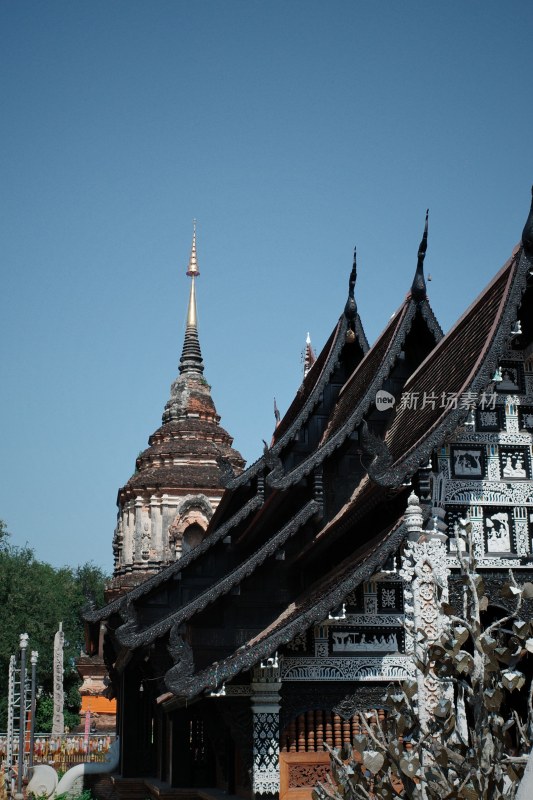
{"points": [[129, 634], [462, 364], [368, 378], [309, 382], [214, 535], [358, 394], [310, 607], [309, 392]]}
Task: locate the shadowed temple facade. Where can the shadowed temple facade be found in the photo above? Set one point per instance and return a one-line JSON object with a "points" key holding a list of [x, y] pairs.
{"points": [[258, 620]]}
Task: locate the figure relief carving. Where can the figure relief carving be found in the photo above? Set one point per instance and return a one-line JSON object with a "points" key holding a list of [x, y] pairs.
{"points": [[425, 570], [352, 668]]}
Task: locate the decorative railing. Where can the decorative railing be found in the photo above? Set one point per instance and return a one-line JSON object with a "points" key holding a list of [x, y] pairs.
{"points": [[63, 751]]}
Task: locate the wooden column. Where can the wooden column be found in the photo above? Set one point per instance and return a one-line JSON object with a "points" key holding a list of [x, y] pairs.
{"points": [[265, 709]]}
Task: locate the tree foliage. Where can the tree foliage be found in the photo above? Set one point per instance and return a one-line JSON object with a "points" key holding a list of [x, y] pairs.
{"points": [[477, 740], [34, 598]]}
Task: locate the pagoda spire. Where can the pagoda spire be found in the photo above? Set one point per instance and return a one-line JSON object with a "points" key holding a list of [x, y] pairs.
{"points": [[418, 288], [193, 270], [191, 356]]}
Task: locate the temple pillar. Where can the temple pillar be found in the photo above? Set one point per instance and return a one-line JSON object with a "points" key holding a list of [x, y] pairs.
{"points": [[128, 516], [168, 511], [425, 573], [137, 529], [265, 709]]}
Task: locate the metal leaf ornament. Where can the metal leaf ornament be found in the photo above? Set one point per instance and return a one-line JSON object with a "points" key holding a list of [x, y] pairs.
{"points": [[373, 760], [396, 750], [510, 590], [527, 591], [410, 766], [477, 742], [513, 679], [521, 628], [483, 603], [360, 742], [493, 699], [488, 642], [442, 709], [464, 663], [410, 688], [460, 634]]}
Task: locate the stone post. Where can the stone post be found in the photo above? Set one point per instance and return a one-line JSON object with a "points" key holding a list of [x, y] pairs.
{"points": [[33, 660], [22, 713], [265, 710], [58, 721], [425, 573]]}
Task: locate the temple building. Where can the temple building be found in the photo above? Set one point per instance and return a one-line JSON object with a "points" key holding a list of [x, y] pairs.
{"points": [[165, 507], [233, 664]]}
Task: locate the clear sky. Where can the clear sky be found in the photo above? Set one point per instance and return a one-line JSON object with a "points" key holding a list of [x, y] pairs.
{"points": [[292, 131]]}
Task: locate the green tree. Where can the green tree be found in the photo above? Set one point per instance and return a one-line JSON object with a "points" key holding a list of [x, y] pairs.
{"points": [[34, 598], [478, 739], [3, 532]]}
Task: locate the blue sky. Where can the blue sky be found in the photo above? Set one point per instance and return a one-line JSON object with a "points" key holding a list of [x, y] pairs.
{"points": [[292, 131]]}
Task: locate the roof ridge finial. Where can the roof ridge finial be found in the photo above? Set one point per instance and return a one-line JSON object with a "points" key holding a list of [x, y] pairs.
{"points": [[418, 288], [350, 308], [527, 233], [277, 415], [309, 355]]}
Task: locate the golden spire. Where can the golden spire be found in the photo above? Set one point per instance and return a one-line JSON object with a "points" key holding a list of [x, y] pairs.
{"points": [[192, 269], [191, 311]]}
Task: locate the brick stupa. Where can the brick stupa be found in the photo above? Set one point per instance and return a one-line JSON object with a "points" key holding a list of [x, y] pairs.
{"points": [[165, 507]]}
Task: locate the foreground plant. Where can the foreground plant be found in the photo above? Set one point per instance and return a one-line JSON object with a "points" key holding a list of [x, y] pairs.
{"points": [[477, 740]]}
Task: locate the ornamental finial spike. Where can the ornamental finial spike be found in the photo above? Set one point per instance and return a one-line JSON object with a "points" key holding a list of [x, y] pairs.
{"points": [[353, 274], [193, 270], [309, 355], [350, 308], [413, 517], [418, 288], [527, 233]]}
